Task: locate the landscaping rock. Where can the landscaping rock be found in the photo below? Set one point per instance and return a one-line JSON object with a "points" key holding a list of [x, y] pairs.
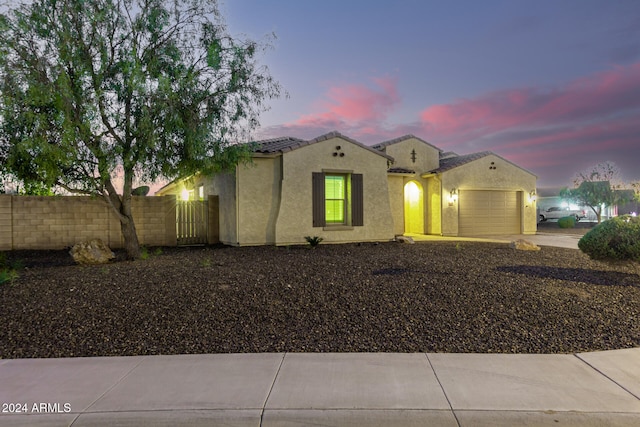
{"points": [[92, 252], [524, 245], [404, 239], [443, 297]]}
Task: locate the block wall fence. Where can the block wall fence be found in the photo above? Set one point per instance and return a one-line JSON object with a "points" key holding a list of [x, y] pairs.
{"points": [[57, 222]]}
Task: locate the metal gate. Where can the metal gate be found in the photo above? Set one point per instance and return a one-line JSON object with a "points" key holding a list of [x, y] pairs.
{"points": [[192, 222]]}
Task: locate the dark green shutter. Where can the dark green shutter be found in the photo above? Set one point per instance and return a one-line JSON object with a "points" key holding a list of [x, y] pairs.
{"points": [[317, 190], [357, 202]]}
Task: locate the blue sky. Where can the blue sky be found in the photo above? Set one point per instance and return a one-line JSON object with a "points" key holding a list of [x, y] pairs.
{"points": [[553, 86]]}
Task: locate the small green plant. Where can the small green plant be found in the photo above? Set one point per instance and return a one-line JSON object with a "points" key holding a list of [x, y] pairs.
{"points": [[206, 263], [567, 222], [146, 254], [459, 246], [7, 276], [16, 265], [8, 271], [313, 241], [617, 239]]}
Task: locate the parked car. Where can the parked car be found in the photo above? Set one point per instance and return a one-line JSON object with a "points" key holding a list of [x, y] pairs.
{"points": [[556, 212]]}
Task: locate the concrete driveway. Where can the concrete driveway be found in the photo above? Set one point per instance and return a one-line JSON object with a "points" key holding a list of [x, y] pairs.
{"points": [[569, 241]]}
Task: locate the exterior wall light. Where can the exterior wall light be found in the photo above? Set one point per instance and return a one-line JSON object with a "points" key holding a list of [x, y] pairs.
{"points": [[453, 196], [533, 196], [184, 195]]}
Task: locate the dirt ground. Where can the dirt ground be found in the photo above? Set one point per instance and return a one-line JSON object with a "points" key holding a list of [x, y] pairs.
{"points": [[387, 297]]}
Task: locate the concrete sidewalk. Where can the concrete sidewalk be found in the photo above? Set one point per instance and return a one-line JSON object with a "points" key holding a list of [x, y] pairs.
{"points": [[332, 389]]}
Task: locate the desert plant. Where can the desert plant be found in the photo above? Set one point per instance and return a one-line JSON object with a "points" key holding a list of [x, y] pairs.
{"points": [[313, 241], [617, 239], [567, 222], [8, 269], [7, 276]]}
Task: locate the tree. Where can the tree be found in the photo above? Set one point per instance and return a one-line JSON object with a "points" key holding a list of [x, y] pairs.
{"points": [[156, 87], [597, 186], [635, 186]]}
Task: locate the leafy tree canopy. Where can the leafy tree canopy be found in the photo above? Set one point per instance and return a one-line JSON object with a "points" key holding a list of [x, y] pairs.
{"points": [[597, 186], [157, 87]]}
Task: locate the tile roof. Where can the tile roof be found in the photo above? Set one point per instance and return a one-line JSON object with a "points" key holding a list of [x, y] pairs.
{"points": [[287, 143], [444, 155], [400, 170], [453, 162], [279, 145]]}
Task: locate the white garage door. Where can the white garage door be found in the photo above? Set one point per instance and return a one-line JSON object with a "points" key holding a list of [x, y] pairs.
{"points": [[489, 212]]}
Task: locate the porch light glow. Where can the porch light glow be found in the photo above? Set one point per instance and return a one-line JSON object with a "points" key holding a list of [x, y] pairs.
{"points": [[412, 192], [184, 194], [453, 196], [533, 196]]}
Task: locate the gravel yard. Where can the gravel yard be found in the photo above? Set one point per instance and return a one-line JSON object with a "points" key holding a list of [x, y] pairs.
{"points": [[387, 297]]}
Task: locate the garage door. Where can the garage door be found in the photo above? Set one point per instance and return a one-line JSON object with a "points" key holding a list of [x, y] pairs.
{"points": [[489, 212]]}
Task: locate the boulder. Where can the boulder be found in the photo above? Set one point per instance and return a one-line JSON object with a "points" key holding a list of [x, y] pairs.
{"points": [[524, 245], [91, 252], [404, 239]]}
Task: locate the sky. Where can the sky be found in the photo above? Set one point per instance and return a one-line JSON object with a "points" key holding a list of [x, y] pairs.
{"points": [[551, 85]]}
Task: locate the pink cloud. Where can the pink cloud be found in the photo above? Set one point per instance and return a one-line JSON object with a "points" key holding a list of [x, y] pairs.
{"points": [[589, 98], [357, 103], [548, 131], [355, 109]]}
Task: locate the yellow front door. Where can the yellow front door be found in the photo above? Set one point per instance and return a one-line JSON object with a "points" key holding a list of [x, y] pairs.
{"points": [[413, 208]]}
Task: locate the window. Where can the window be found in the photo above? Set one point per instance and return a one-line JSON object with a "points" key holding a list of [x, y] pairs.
{"points": [[201, 192], [337, 199]]}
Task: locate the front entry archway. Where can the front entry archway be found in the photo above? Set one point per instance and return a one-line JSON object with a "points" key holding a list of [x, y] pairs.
{"points": [[413, 208]]}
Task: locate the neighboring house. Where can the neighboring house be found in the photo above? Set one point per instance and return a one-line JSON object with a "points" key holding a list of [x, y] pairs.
{"points": [[630, 206], [344, 191]]}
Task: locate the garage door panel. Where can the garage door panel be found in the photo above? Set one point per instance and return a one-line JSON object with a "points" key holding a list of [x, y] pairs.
{"points": [[483, 212]]}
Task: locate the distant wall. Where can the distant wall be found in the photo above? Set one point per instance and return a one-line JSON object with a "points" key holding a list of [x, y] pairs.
{"points": [[57, 222]]}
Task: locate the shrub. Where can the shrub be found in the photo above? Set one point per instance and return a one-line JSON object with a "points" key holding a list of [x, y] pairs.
{"points": [[567, 222], [313, 241], [617, 239]]}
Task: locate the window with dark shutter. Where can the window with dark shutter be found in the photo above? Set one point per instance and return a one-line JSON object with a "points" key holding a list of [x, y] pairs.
{"points": [[317, 189], [357, 202], [332, 196]]}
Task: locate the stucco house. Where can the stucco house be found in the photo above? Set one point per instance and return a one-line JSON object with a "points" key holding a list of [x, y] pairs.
{"points": [[344, 191]]}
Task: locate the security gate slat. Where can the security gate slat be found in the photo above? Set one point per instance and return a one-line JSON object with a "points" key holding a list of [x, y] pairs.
{"points": [[192, 222]]}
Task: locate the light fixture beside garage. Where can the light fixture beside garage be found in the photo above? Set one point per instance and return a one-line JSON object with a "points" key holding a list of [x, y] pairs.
{"points": [[532, 197], [453, 196]]}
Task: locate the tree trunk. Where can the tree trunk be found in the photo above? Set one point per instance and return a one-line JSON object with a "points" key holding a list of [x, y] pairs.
{"points": [[122, 206], [128, 227], [131, 244]]}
